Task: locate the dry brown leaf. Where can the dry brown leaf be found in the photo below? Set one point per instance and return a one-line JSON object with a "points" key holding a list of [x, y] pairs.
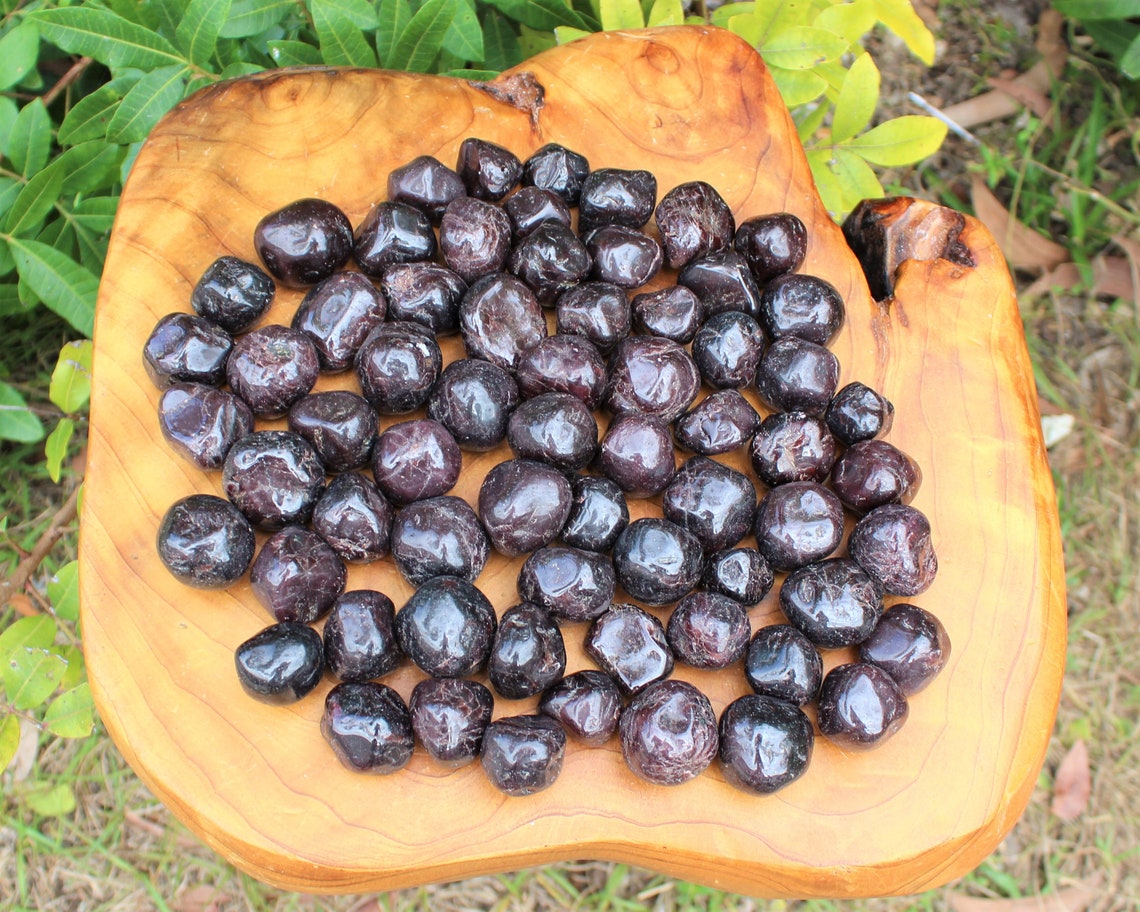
{"points": [[1131, 250], [1115, 277], [24, 760], [1072, 785], [1025, 93], [1023, 247], [202, 898], [1076, 898]]}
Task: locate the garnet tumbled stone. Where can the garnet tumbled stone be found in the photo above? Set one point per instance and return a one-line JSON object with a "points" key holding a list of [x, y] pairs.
{"points": [[488, 171], [740, 573], [523, 505], [708, 630], [893, 544], [614, 196], [272, 367], [340, 426], [274, 478], [833, 602], [202, 422], [563, 363], [910, 644], [860, 706], [637, 454], [425, 293], [599, 311], [555, 428], [189, 348], [793, 446], [783, 663], [474, 237], [414, 460], [871, 473], [500, 318], [447, 627], [673, 312], [360, 636], [629, 644], [550, 259], [368, 726], [623, 256], [439, 536], [474, 399], [426, 183], [304, 242], [449, 716], [804, 306], [391, 233], [528, 654], [694, 221], [714, 502], [233, 294], [669, 733], [598, 513], [523, 754], [571, 584], [720, 423], [727, 349], [857, 413], [772, 244], [795, 375], [797, 523], [281, 664], [353, 516], [652, 375], [558, 169], [297, 576], [588, 704], [205, 541], [397, 366], [337, 314], [657, 561], [723, 282], [765, 743]]}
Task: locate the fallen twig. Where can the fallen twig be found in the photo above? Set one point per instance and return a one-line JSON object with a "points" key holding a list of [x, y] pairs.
{"points": [[18, 578]]}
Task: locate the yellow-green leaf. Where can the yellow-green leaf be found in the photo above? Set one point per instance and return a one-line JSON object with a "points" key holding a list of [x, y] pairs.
{"points": [[63, 590], [71, 714], [902, 141], [70, 386], [843, 180], [54, 801], [858, 98], [666, 12], [802, 47], [567, 33], [899, 16], [851, 20], [55, 447], [798, 87], [31, 675], [9, 740], [17, 421], [620, 14]]}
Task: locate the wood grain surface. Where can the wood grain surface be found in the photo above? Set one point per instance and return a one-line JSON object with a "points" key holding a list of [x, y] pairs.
{"points": [[259, 784]]}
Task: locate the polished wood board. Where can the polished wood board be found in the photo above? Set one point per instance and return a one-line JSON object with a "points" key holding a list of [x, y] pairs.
{"points": [[259, 784]]}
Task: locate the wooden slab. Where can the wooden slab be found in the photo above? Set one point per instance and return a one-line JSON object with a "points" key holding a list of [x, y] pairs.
{"points": [[259, 784]]}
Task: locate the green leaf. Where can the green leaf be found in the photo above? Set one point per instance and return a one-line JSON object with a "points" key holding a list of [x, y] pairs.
{"points": [[17, 422], [472, 75], [76, 672], [55, 448], [464, 36], [417, 46], [252, 17], [109, 38], [858, 98], [899, 16], [53, 801], [541, 14], [89, 117], [19, 51], [65, 286], [143, 106], [9, 740], [198, 31], [8, 114], [89, 166], [1129, 61], [802, 47], [342, 42], [851, 20], [240, 68], [70, 387], [360, 13], [1098, 9], [564, 34], [798, 87], [31, 675], [72, 713], [666, 12], [10, 302], [902, 141], [63, 590], [534, 41], [37, 632], [34, 202], [30, 140], [843, 180], [293, 53], [500, 43], [394, 16], [167, 15], [620, 14]]}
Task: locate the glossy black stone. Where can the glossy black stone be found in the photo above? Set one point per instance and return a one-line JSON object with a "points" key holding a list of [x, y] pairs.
{"points": [[304, 242], [624, 256], [587, 704], [570, 583], [783, 663], [721, 422], [629, 645], [393, 232], [740, 573], [205, 541], [354, 518], [528, 654], [397, 366], [523, 754], [202, 422], [694, 221], [723, 282], [793, 446], [893, 544], [297, 576], [832, 602], [274, 478], [532, 206], [447, 627], [474, 237], [550, 259], [727, 349], [910, 644], [616, 196], [474, 399], [669, 733], [523, 505], [360, 636], [368, 727], [449, 716], [857, 412], [500, 318], [233, 294], [714, 502], [673, 312], [555, 428], [426, 183], [557, 169], [794, 375], [708, 630], [636, 453], [337, 314], [186, 348], [765, 743], [871, 473], [652, 375], [563, 363], [338, 424], [803, 306], [439, 536], [488, 171], [414, 460], [772, 244], [598, 513], [281, 664], [271, 367], [425, 293], [599, 311], [797, 523], [860, 706], [656, 561]]}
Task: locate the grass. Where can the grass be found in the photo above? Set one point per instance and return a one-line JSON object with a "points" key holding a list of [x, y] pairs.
{"points": [[1074, 178]]}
